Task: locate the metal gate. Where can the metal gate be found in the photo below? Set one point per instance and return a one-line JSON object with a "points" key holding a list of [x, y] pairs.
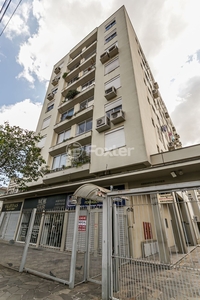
{"points": [[163, 259]]}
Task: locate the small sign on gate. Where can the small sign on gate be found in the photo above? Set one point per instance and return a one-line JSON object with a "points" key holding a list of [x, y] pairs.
{"points": [[82, 223]]}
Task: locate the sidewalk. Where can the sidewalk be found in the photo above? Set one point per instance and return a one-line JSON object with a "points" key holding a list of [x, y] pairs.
{"points": [[24, 286]]}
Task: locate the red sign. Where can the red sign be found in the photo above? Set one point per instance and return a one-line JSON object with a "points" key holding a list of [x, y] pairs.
{"points": [[82, 223]]}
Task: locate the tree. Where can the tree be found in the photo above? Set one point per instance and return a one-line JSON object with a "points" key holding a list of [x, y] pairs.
{"points": [[20, 158]]}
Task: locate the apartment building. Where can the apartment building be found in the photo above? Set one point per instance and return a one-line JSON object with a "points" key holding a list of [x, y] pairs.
{"points": [[104, 122]]}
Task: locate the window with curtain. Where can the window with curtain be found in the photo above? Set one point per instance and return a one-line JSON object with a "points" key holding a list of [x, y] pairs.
{"points": [[59, 161], [63, 136]]}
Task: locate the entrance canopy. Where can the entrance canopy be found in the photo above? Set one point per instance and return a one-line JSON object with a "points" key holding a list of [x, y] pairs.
{"points": [[89, 191]]}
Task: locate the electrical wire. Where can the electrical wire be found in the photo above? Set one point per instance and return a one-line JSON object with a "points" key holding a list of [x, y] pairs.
{"points": [[3, 6], [10, 18], [5, 10]]}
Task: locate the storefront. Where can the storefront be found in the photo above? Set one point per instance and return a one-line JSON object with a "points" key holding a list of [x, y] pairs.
{"points": [[9, 220], [52, 225]]}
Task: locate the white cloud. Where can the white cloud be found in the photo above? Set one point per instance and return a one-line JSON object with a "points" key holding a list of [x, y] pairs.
{"points": [[24, 114], [18, 23]]}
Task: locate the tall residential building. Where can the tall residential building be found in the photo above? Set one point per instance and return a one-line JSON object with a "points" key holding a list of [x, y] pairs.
{"points": [[103, 95], [104, 122]]}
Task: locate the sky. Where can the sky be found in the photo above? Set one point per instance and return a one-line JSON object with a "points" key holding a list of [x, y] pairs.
{"points": [[41, 32]]}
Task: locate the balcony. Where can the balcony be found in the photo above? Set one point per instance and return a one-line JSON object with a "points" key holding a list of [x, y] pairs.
{"points": [[81, 54], [70, 173], [83, 139], [83, 95], [83, 64], [78, 81], [76, 118]]}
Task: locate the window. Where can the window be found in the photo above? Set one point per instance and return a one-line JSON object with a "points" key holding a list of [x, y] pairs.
{"points": [[46, 122], [42, 142], [54, 91], [86, 103], [111, 24], [67, 114], [59, 161], [114, 82], [84, 126], [87, 84], [63, 136], [112, 65], [109, 37], [50, 106], [166, 223], [113, 106], [114, 139]]}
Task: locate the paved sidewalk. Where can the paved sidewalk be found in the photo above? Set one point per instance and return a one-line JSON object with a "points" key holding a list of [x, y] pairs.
{"points": [[24, 286]]}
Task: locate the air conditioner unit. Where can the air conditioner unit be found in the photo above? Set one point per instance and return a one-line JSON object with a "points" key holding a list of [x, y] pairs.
{"points": [[55, 81], [110, 93], [113, 51], [155, 94], [117, 117], [156, 86], [173, 128], [104, 57], [177, 136], [57, 70], [102, 124], [50, 96]]}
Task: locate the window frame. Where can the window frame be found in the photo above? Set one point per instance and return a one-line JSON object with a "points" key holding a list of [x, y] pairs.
{"points": [[110, 24], [110, 63], [60, 160], [119, 140], [107, 84], [85, 125], [64, 137], [110, 36], [43, 123]]}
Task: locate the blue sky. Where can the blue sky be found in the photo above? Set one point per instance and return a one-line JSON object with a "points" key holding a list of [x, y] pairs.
{"points": [[42, 32]]}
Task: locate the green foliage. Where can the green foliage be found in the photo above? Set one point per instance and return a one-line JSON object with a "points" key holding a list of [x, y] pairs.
{"points": [[71, 94], [84, 158], [20, 160], [65, 75]]}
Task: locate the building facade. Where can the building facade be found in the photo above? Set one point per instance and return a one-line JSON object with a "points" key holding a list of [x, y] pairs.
{"points": [[103, 121]]}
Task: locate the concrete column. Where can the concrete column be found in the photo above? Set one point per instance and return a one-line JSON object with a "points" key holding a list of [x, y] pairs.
{"points": [[160, 230], [177, 227]]}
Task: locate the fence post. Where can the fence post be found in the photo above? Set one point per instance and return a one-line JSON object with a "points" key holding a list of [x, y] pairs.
{"points": [[27, 241], [64, 233], [116, 251], [40, 230], [106, 248], [74, 248], [160, 230]]}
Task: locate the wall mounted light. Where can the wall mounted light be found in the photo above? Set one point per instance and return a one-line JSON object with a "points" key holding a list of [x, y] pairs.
{"points": [[173, 174]]}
